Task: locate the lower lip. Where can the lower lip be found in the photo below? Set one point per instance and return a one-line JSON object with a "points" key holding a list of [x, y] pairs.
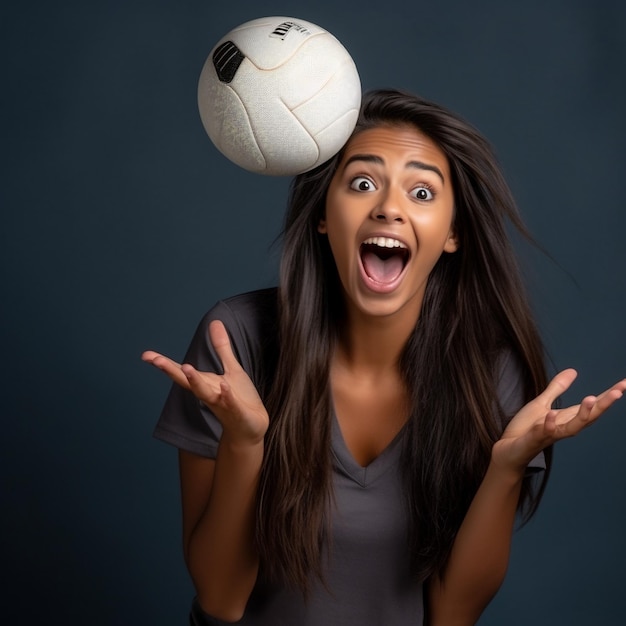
{"points": [[377, 287]]}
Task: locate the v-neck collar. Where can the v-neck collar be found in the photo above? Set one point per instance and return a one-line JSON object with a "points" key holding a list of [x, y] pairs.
{"points": [[359, 474]]}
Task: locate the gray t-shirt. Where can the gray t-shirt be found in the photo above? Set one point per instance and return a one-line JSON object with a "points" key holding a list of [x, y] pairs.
{"points": [[367, 571]]}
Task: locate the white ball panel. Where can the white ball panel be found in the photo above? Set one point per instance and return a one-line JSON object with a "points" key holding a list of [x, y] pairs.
{"points": [[286, 145], [226, 121], [334, 136], [308, 73], [237, 139], [268, 52], [341, 92], [285, 120]]}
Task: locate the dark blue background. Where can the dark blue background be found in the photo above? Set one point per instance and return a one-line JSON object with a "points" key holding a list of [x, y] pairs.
{"points": [[121, 225]]}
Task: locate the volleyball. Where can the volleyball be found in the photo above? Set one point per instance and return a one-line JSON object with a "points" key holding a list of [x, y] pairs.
{"points": [[279, 95]]}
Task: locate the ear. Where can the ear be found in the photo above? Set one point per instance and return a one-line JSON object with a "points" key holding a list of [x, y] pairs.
{"points": [[452, 243], [321, 226]]}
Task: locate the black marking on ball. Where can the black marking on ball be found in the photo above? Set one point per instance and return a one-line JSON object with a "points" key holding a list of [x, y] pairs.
{"points": [[226, 59], [282, 30]]}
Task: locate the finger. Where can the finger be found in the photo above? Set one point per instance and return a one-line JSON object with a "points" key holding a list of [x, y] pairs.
{"points": [[542, 433], [591, 407], [557, 386], [617, 388], [221, 342], [550, 424], [167, 365], [208, 387], [583, 417], [605, 400], [589, 410]]}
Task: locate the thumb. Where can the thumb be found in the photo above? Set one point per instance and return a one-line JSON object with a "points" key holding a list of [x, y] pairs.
{"points": [[220, 340], [558, 386]]}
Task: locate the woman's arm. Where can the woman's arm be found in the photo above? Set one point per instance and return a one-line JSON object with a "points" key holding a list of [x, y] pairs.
{"points": [[218, 503], [480, 554], [218, 496]]}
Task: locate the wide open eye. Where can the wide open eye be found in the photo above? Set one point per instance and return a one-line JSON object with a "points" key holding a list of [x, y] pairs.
{"points": [[422, 192], [361, 183]]}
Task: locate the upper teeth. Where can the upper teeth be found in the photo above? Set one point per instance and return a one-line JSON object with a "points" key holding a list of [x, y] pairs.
{"points": [[385, 242]]}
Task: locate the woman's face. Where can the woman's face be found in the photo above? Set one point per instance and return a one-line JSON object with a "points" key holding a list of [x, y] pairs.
{"points": [[389, 214]]}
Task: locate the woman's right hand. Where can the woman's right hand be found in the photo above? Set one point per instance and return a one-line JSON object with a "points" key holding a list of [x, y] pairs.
{"points": [[232, 397]]}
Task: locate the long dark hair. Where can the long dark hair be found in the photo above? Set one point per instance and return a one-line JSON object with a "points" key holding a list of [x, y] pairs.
{"points": [[474, 310]]}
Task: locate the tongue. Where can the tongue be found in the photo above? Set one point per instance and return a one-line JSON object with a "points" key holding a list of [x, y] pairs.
{"points": [[382, 270]]}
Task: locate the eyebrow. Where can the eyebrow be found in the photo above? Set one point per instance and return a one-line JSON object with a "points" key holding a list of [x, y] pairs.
{"points": [[372, 158]]}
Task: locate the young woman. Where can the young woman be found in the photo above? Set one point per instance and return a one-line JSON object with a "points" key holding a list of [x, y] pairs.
{"points": [[355, 445]]}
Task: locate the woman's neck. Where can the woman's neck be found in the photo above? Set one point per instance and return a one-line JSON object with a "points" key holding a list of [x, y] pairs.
{"points": [[372, 345]]}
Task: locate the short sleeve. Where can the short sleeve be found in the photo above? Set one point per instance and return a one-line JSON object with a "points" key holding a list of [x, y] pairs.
{"points": [[187, 423], [511, 398]]}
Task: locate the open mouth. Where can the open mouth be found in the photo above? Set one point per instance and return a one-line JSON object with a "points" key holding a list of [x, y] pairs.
{"points": [[384, 259]]}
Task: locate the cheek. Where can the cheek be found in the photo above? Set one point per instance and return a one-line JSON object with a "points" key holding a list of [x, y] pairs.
{"points": [[433, 227], [338, 248], [340, 242], [339, 227]]}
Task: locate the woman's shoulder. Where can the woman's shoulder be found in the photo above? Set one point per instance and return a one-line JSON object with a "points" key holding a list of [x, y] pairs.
{"points": [[253, 304], [248, 316], [251, 320]]}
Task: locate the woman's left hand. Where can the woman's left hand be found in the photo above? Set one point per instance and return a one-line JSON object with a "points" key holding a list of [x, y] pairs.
{"points": [[537, 425]]}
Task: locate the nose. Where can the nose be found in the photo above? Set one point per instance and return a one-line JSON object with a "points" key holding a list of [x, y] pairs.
{"points": [[389, 208]]}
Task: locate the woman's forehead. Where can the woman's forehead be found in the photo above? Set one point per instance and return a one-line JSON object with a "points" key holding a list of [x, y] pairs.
{"points": [[403, 141]]}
